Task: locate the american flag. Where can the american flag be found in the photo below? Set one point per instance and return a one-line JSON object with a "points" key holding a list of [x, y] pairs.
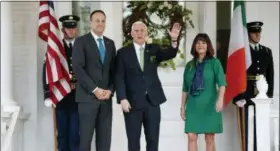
{"points": [[57, 71]]}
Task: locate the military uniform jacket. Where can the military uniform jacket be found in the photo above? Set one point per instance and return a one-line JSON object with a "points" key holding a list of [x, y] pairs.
{"points": [[68, 102], [262, 63]]}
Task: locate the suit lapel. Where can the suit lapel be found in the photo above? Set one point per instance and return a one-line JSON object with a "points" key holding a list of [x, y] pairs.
{"points": [[134, 57], [107, 50], [93, 45], [146, 55]]}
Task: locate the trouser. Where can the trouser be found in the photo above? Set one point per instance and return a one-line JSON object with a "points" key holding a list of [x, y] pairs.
{"points": [[149, 116], [67, 129], [95, 116]]}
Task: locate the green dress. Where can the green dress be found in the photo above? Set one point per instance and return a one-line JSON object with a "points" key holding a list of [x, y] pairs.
{"points": [[201, 115]]}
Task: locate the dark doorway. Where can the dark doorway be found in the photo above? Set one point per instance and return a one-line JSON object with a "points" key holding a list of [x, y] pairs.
{"points": [[223, 30]]}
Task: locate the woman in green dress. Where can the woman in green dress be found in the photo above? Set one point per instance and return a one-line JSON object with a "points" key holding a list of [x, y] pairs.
{"points": [[203, 93]]}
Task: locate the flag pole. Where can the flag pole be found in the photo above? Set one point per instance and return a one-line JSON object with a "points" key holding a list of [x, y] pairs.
{"points": [[244, 128], [54, 128], [239, 129]]}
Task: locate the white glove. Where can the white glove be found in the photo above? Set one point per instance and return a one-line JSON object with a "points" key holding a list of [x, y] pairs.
{"points": [[125, 105], [49, 103], [241, 103]]}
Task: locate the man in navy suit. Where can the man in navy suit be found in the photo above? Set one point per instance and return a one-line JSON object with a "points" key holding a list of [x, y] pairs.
{"points": [[138, 88]]}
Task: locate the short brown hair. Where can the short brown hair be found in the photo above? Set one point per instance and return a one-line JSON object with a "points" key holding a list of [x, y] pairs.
{"points": [[202, 37]]}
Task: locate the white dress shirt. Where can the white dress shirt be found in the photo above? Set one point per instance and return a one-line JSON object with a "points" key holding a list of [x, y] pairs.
{"points": [[69, 41], [253, 46], [96, 37]]}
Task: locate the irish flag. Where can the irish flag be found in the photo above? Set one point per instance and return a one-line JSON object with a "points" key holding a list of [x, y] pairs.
{"points": [[239, 56]]}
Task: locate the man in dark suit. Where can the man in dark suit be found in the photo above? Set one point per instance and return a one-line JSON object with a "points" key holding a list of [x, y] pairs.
{"points": [[66, 110], [138, 88], [93, 65], [262, 64]]}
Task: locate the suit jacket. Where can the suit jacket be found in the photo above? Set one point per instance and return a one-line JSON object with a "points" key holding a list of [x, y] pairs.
{"points": [[90, 72], [68, 102], [262, 63], [134, 84]]}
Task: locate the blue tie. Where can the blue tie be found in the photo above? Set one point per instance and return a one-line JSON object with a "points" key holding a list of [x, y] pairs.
{"points": [[101, 49]]}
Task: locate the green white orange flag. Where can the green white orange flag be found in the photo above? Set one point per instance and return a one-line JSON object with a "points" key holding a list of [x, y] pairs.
{"points": [[239, 56]]}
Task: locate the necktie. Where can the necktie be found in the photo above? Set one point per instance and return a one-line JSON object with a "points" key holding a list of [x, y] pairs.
{"points": [[142, 58], [101, 49], [256, 48], [70, 45]]}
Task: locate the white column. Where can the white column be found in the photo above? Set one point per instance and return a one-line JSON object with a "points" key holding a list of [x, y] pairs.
{"points": [[192, 32], [276, 132], [6, 55], [263, 123], [113, 11], [251, 128], [207, 20]]}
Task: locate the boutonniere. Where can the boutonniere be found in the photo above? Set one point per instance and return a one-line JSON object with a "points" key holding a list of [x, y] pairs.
{"points": [[153, 59]]}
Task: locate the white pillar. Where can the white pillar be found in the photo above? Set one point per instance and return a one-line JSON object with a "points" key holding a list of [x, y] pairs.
{"points": [[276, 132], [113, 11], [263, 123], [251, 128], [192, 32], [208, 21], [6, 55]]}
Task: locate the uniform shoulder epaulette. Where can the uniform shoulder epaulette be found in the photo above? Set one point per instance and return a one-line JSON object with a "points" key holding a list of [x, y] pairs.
{"points": [[265, 48]]}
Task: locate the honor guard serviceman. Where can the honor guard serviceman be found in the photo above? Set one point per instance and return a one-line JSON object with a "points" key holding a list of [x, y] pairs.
{"points": [[262, 64], [66, 110]]}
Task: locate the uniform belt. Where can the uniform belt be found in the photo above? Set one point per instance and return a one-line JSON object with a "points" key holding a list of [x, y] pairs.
{"points": [[253, 77]]}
